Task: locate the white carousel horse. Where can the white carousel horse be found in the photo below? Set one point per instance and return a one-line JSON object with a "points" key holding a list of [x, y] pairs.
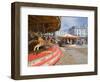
{"points": [[42, 43]]}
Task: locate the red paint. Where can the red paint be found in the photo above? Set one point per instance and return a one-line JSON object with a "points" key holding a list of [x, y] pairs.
{"points": [[42, 62], [42, 54], [54, 62]]}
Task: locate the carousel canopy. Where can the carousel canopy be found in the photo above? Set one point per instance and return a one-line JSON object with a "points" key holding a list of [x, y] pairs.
{"points": [[69, 36], [43, 24]]}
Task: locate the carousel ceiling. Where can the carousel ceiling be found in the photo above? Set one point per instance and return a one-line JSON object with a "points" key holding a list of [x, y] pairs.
{"points": [[43, 24]]}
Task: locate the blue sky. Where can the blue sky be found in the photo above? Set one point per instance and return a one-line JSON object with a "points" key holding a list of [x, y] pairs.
{"points": [[68, 21]]}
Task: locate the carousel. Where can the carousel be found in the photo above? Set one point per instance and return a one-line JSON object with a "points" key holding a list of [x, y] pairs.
{"points": [[42, 49], [69, 39]]}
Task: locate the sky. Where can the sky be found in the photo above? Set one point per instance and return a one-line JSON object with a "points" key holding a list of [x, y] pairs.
{"points": [[68, 21]]}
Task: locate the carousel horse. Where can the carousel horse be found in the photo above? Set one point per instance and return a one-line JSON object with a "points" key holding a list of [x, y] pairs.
{"points": [[42, 42]]}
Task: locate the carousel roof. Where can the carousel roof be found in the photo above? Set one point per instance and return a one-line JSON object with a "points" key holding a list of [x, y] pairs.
{"points": [[68, 36], [43, 23]]}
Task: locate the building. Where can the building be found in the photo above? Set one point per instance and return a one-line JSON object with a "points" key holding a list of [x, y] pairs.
{"points": [[78, 31], [82, 32]]}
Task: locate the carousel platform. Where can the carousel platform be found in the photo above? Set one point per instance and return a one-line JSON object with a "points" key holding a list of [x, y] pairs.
{"points": [[45, 58]]}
